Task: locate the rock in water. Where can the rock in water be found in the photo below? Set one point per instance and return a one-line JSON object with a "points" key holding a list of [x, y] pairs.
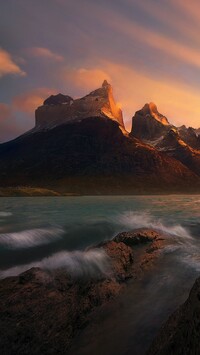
{"points": [[139, 236], [42, 310]]}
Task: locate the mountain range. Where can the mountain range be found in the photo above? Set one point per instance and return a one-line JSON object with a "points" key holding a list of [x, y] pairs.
{"points": [[81, 146]]}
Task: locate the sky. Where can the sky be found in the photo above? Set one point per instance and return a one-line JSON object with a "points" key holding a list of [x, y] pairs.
{"points": [[149, 51]]}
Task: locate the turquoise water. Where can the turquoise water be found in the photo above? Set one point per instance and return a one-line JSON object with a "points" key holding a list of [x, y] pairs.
{"points": [[53, 232], [32, 229]]}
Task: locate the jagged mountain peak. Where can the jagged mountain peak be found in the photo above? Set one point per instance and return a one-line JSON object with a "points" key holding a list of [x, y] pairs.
{"points": [[81, 145], [150, 109], [62, 109], [103, 91], [105, 84], [148, 123]]}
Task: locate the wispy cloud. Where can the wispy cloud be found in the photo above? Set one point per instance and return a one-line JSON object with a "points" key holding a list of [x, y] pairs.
{"points": [[9, 128], [45, 53], [28, 102], [87, 78], [167, 45], [19, 115], [133, 88], [179, 102], [168, 18], [8, 65], [139, 34], [4, 111], [191, 10], [149, 50]]}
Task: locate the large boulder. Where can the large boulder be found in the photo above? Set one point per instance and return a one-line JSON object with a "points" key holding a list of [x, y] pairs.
{"points": [[42, 310], [139, 236]]}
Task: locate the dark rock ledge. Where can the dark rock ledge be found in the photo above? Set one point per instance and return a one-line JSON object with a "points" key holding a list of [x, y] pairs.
{"points": [[180, 335], [41, 311]]}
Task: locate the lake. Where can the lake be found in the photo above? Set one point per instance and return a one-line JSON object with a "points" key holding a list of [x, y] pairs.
{"points": [[50, 231]]}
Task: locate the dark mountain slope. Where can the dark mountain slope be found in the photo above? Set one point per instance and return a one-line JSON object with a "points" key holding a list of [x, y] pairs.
{"points": [[174, 146], [81, 146], [190, 136], [90, 156]]}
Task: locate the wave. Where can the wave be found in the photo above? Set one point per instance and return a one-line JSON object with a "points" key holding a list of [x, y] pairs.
{"points": [[30, 238], [191, 258], [146, 220], [89, 263], [181, 242], [5, 214]]}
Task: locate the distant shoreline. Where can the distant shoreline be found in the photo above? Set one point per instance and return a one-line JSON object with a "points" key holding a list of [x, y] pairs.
{"points": [[24, 191]]}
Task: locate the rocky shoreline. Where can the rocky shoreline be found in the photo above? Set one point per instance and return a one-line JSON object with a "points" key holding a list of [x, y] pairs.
{"points": [[41, 310], [180, 334]]}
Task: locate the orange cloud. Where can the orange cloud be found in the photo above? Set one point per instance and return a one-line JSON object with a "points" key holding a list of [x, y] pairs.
{"points": [[9, 128], [85, 78], [45, 53], [5, 111], [191, 9], [133, 88], [179, 102], [12, 123], [170, 18], [165, 44], [7, 65], [28, 102], [168, 46]]}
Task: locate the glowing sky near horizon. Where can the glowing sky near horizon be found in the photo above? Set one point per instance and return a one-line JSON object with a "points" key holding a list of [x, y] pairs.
{"points": [[149, 50]]}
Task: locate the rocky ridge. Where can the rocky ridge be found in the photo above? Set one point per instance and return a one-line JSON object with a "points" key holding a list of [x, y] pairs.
{"points": [[190, 136], [181, 143]]}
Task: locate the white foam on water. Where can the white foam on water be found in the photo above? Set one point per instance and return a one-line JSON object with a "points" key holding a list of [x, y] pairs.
{"points": [[133, 220], [77, 263], [5, 214], [30, 238], [179, 237], [191, 259], [170, 249]]}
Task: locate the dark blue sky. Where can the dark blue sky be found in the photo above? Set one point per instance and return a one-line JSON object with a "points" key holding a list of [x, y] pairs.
{"points": [[149, 50]]}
